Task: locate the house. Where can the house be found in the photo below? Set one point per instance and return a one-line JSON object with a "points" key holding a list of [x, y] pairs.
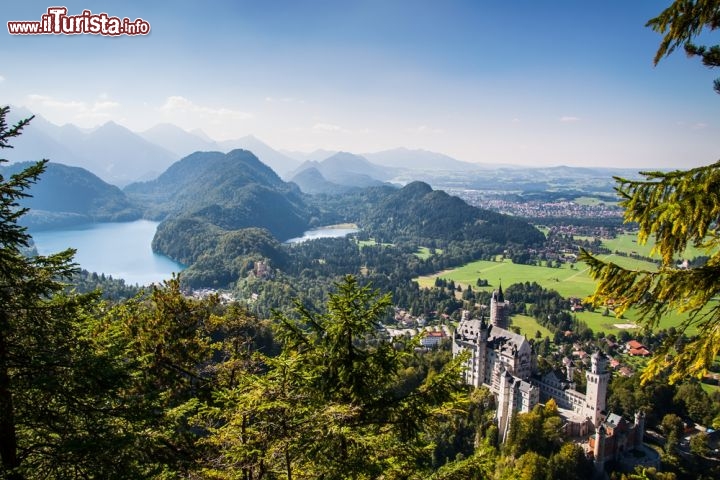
{"points": [[636, 349], [432, 339]]}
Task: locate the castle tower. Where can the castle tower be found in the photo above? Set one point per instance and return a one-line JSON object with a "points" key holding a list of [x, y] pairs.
{"points": [[599, 450], [597, 384], [569, 369], [482, 352], [639, 427], [499, 309], [506, 402]]}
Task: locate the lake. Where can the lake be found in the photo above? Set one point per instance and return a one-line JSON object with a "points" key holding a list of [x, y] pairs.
{"points": [[331, 231], [121, 250]]}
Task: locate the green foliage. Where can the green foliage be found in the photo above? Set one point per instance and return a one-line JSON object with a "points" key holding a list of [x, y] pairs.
{"points": [[217, 257], [700, 444], [480, 465], [58, 394], [677, 208], [334, 401], [569, 463], [537, 431], [681, 22]]}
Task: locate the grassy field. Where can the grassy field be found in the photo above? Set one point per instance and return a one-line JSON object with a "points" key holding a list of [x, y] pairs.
{"points": [[710, 389], [592, 201], [371, 243], [569, 282], [528, 326], [424, 253], [628, 243]]}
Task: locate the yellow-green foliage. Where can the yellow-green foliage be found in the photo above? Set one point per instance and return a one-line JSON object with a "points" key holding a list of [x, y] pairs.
{"points": [[677, 209]]}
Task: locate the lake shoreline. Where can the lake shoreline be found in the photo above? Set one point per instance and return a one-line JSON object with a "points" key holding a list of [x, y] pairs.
{"points": [[118, 249]]}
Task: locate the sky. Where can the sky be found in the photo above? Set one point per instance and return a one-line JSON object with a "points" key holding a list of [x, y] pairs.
{"points": [[499, 81]]}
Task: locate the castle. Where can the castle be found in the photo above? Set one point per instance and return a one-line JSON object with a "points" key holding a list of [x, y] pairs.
{"points": [[505, 362]]}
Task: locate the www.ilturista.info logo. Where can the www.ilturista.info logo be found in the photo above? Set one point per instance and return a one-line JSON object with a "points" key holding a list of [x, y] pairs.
{"points": [[57, 22]]}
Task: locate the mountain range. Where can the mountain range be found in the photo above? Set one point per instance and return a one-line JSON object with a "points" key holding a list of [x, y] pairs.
{"points": [[120, 156]]}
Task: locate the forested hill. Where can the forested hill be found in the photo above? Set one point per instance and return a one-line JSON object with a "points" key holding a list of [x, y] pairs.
{"points": [[68, 196], [230, 191], [417, 211]]}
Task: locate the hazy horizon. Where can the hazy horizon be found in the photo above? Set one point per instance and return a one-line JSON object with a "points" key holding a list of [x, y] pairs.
{"points": [[486, 82]]}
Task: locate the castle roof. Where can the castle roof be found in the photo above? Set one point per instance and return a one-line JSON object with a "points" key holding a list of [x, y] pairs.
{"points": [[613, 420], [470, 329], [525, 386], [498, 296], [507, 338]]}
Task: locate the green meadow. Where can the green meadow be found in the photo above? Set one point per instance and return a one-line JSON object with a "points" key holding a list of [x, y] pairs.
{"points": [[529, 326], [424, 252], [628, 243], [568, 280]]}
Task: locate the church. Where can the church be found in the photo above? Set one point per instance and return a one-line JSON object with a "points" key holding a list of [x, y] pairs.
{"points": [[505, 362]]}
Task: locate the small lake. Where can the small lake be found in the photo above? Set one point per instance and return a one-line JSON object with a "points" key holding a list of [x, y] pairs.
{"points": [[332, 231], [121, 250]]}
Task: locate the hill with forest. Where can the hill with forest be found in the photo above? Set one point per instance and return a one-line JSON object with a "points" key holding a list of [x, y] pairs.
{"points": [[221, 242], [418, 211], [205, 199], [231, 191], [68, 196]]}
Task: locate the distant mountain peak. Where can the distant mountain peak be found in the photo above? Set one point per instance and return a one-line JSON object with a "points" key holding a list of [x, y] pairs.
{"points": [[199, 132], [416, 188]]}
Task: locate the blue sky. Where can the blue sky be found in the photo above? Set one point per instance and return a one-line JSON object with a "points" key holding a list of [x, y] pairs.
{"points": [[522, 82]]}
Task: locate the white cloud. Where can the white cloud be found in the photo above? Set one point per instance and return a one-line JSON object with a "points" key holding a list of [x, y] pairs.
{"points": [[179, 104], [49, 102], [700, 126], [569, 119], [425, 130], [2, 79], [104, 105], [73, 110], [328, 127]]}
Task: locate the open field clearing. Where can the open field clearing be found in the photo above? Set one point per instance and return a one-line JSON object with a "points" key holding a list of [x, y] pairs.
{"points": [[528, 326], [569, 282]]}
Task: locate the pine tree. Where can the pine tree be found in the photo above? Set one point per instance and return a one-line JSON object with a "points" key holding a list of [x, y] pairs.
{"points": [[684, 20], [57, 402], [677, 209], [334, 403]]}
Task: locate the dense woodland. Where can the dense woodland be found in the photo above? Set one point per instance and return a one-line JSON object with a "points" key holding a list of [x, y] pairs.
{"points": [[121, 383]]}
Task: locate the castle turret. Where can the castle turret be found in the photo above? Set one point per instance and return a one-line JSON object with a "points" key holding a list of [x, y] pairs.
{"points": [[499, 309], [506, 402], [639, 427], [599, 450], [569, 369], [597, 384]]}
